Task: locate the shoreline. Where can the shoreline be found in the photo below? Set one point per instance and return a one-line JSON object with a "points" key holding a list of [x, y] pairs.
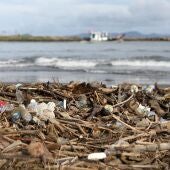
{"points": [[29, 38], [90, 82]]}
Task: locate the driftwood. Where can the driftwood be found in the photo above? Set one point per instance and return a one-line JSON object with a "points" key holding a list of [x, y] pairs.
{"points": [[126, 123], [142, 148]]}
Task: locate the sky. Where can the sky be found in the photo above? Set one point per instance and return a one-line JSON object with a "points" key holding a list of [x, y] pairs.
{"points": [[66, 17]]}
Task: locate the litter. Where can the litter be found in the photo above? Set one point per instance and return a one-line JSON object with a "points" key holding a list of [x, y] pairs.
{"points": [[84, 126], [97, 156]]}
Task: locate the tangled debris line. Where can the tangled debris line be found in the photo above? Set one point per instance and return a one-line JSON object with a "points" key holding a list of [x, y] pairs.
{"points": [[81, 126]]}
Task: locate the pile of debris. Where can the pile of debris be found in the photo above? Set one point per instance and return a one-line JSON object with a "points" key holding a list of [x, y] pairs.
{"points": [[84, 126]]}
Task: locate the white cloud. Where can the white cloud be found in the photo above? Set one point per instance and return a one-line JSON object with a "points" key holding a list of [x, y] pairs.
{"points": [[73, 16], [151, 9]]}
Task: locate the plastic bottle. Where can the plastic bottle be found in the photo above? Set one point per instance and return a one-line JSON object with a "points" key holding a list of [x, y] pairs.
{"points": [[15, 116], [9, 107], [5, 106], [26, 116], [2, 106], [19, 96], [51, 106], [62, 104], [82, 101]]}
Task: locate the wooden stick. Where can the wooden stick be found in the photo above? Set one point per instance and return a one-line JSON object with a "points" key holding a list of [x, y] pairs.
{"points": [[118, 119], [142, 148], [125, 101]]}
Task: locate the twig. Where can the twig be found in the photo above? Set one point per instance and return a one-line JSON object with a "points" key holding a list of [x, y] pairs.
{"points": [[142, 148], [118, 119], [125, 101], [8, 100]]}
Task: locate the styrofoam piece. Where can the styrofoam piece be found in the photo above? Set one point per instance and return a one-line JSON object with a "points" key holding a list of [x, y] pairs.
{"points": [[97, 156]]}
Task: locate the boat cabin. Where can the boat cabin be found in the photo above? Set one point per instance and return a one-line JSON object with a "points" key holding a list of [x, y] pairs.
{"points": [[98, 36]]}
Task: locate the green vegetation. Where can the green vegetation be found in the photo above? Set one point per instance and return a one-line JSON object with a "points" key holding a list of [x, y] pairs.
{"points": [[148, 39], [27, 38], [38, 38]]}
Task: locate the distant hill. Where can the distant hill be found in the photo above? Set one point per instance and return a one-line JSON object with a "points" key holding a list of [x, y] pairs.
{"points": [[134, 34]]}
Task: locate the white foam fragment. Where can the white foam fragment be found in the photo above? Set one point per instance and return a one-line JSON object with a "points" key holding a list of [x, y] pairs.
{"points": [[150, 89], [32, 106], [97, 156], [46, 115], [134, 89], [109, 108], [143, 109], [64, 104], [41, 107]]}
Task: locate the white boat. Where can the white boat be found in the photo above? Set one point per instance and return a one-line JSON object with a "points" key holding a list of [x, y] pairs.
{"points": [[98, 36]]}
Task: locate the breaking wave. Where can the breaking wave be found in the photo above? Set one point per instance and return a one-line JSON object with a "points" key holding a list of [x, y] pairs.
{"points": [[75, 63], [139, 63]]}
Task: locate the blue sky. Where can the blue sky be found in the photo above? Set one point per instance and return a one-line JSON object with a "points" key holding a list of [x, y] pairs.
{"points": [[60, 17]]}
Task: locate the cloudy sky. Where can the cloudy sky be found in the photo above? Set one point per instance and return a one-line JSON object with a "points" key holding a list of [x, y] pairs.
{"points": [[59, 17]]}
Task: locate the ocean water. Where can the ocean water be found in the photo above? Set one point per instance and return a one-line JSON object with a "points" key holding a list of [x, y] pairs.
{"points": [[107, 62]]}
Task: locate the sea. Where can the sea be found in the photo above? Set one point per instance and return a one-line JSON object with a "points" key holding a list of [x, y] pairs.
{"points": [[108, 62]]}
